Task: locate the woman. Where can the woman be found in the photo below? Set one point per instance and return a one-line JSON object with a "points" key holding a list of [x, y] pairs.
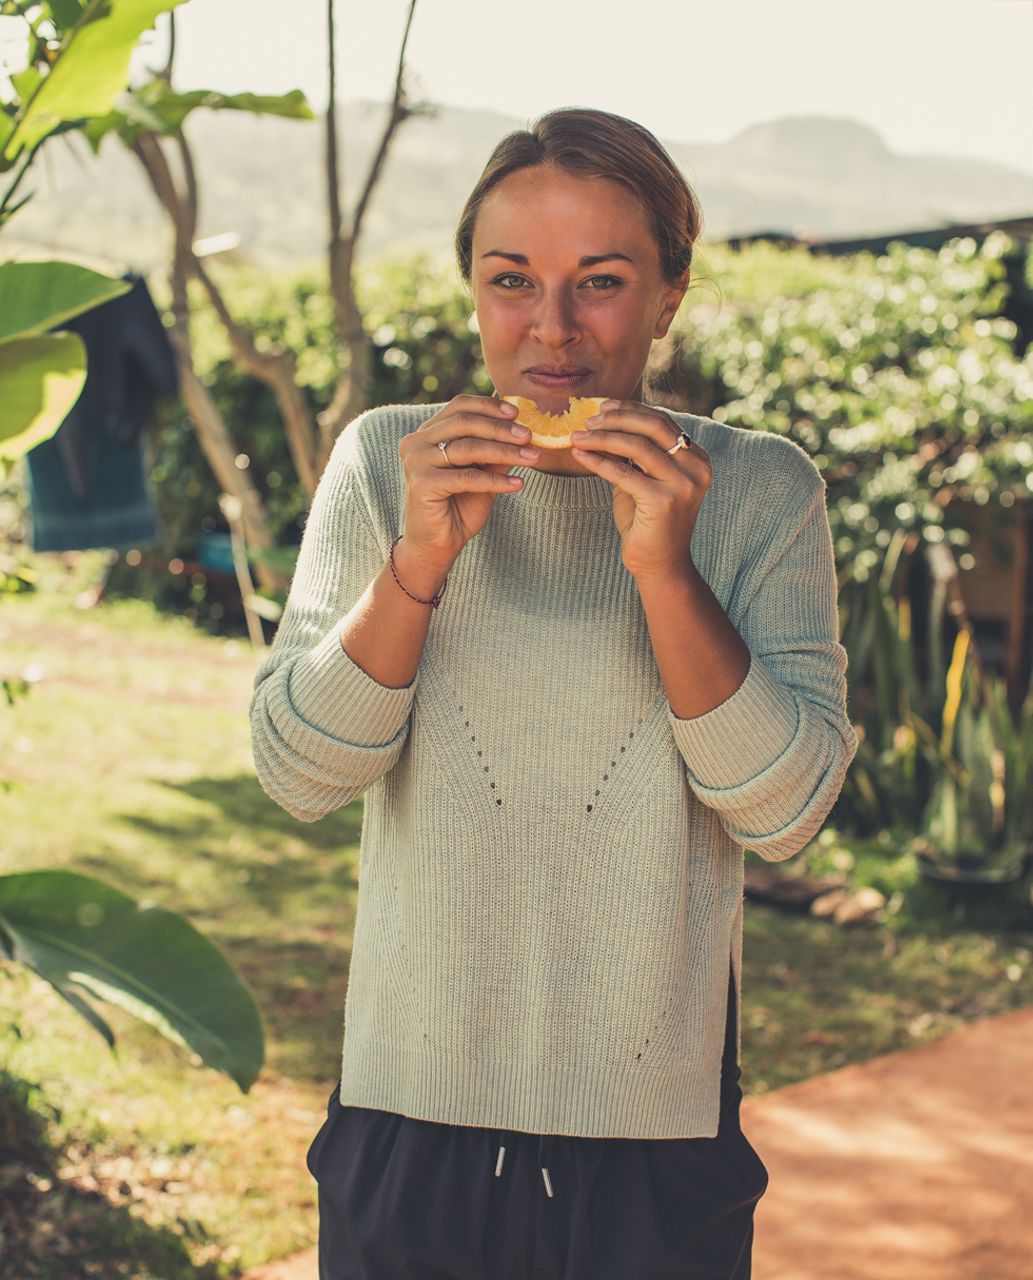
{"points": [[573, 686]]}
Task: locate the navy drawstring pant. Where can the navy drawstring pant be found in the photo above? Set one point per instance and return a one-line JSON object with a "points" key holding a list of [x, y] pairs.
{"points": [[407, 1199]]}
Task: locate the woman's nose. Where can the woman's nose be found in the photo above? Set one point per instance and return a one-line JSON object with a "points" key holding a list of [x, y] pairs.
{"points": [[555, 320]]}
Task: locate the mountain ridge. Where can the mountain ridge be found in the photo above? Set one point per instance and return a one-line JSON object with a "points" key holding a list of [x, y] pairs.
{"points": [[262, 178]]}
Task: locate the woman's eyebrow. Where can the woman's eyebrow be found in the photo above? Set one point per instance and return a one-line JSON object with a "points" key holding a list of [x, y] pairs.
{"points": [[589, 261]]}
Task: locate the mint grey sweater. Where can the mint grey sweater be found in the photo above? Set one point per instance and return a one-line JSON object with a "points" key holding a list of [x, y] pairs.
{"points": [[551, 863]]}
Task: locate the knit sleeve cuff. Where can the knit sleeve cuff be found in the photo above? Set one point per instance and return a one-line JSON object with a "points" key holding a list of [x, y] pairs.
{"points": [[742, 736], [333, 695]]}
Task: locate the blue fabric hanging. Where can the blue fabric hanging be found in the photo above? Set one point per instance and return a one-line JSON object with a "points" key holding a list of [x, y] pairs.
{"points": [[87, 484]]}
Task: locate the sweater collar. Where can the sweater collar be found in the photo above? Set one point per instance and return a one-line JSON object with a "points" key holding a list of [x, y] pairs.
{"points": [[546, 489]]}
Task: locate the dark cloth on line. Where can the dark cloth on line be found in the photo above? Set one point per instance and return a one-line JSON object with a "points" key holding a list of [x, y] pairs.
{"points": [[88, 484], [402, 1198]]}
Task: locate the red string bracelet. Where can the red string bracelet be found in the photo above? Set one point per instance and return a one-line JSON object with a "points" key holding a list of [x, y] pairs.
{"points": [[437, 599]]}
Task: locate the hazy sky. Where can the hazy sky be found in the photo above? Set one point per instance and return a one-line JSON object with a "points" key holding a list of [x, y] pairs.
{"points": [[940, 76], [944, 76]]}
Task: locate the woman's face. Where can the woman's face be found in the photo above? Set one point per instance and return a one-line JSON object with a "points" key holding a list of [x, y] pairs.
{"points": [[566, 278]]}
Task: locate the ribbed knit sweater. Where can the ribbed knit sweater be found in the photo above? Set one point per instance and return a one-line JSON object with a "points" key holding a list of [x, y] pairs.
{"points": [[551, 861]]}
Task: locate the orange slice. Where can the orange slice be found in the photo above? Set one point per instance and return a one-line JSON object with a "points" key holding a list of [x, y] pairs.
{"points": [[552, 430]]}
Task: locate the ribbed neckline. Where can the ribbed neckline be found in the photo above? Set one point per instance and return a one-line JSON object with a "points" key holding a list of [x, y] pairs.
{"points": [[545, 488]]}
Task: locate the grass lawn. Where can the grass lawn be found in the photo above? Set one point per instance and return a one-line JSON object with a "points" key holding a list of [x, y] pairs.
{"points": [[129, 760]]}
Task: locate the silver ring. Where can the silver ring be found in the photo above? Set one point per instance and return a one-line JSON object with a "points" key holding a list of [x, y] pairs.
{"points": [[443, 445], [684, 441]]}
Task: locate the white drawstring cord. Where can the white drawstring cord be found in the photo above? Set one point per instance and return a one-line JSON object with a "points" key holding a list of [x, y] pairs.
{"points": [[545, 1171]]}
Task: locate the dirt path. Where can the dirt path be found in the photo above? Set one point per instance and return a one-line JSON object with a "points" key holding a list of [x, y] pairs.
{"points": [[916, 1165]]}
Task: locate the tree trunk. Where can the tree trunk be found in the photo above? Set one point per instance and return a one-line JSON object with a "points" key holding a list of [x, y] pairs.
{"points": [[212, 433]]}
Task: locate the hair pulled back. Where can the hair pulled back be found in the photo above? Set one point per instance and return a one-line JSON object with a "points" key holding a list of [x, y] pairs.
{"points": [[592, 143]]}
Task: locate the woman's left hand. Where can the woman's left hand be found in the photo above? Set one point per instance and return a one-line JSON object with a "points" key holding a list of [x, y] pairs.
{"points": [[655, 505]]}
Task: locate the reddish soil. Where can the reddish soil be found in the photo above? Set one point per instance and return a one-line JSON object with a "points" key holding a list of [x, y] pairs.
{"points": [[916, 1165]]}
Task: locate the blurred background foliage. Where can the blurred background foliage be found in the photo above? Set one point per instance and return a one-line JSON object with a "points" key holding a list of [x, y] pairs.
{"points": [[907, 376]]}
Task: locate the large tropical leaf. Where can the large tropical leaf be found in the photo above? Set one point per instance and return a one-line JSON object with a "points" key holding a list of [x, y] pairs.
{"points": [[37, 296], [155, 108], [84, 936], [89, 74], [40, 380]]}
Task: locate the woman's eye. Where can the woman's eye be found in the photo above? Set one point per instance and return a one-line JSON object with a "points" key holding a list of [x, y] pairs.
{"points": [[510, 282]]}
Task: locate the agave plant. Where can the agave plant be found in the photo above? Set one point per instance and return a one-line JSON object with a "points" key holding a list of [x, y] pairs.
{"points": [[890, 778], [979, 817]]}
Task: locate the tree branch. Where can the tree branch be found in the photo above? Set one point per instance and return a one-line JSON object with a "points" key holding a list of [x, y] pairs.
{"points": [[278, 370], [399, 111], [166, 72], [352, 390], [190, 181], [333, 193]]}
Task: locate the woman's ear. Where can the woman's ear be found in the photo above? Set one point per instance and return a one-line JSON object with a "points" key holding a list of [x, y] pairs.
{"points": [[672, 298]]}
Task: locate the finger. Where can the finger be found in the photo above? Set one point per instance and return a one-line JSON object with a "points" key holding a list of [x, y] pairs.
{"points": [[620, 409], [462, 451], [630, 416], [490, 406], [618, 473], [639, 449], [472, 479], [483, 404], [472, 422]]}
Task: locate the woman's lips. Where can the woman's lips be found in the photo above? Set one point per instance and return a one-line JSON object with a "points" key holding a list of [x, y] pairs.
{"points": [[562, 382]]}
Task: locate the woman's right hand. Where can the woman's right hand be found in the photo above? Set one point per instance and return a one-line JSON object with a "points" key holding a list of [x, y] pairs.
{"points": [[448, 501]]}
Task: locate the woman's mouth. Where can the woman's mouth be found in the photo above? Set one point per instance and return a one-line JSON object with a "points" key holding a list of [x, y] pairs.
{"points": [[567, 380]]}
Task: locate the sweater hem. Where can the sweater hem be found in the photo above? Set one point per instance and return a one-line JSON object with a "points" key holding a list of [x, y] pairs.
{"points": [[602, 1102]]}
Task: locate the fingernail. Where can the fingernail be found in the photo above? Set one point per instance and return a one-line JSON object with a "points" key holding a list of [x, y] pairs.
{"points": [[594, 419], [508, 408], [610, 404], [579, 435]]}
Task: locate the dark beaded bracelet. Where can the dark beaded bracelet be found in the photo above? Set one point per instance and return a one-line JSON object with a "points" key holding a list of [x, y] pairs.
{"points": [[437, 599]]}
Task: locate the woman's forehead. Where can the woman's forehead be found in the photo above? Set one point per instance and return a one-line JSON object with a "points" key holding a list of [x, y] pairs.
{"points": [[552, 209]]}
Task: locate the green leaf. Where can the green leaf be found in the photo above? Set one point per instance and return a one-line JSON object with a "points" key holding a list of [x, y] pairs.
{"points": [[96, 129], [37, 296], [81, 934], [155, 108], [90, 72], [8, 212], [159, 109], [174, 107], [87, 1010], [40, 380], [66, 12], [133, 110], [26, 82]]}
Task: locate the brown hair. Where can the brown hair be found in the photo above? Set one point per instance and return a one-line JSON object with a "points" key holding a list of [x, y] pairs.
{"points": [[597, 144]]}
